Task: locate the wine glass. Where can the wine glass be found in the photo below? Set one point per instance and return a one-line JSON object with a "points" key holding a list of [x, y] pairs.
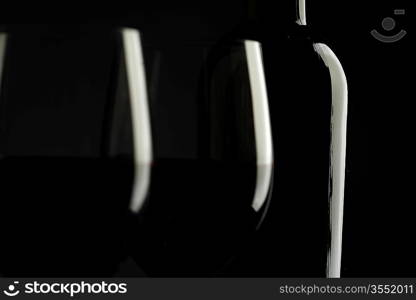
{"points": [[213, 157], [75, 147]]}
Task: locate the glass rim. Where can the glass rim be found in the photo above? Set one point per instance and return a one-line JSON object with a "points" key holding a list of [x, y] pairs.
{"points": [[63, 30]]}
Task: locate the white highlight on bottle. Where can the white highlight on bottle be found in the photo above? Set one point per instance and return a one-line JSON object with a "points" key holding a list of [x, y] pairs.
{"points": [[301, 12], [262, 127], [140, 116], [338, 154], [3, 42]]}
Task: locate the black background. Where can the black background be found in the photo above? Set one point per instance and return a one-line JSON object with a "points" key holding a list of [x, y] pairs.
{"points": [[379, 211]]}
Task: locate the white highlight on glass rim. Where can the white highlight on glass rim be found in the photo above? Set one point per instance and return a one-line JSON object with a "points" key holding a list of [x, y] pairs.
{"points": [[262, 127], [140, 116], [301, 12], [3, 41], [338, 154]]}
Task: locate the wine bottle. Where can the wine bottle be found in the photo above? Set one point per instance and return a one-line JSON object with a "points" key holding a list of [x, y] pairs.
{"points": [[307, 91]]}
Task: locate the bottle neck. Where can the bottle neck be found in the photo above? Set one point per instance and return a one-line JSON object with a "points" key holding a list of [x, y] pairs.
{"points": [[288, 11], [301, 12]]}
